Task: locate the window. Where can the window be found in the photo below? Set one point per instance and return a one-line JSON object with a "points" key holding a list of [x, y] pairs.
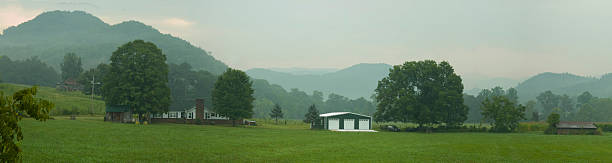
{"points": [[190, 115], [173, 115]]}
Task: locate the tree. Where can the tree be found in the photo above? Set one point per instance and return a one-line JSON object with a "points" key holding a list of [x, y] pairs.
{"points": [[584, 98], [12, 110], [530, 112], [512, 95], [566, 105], [504, 114], [552, 120], [233, 95], [548, 100], [596, 110], [86, 77], [71, 67], [276, 113], [472, 102], [312, 115], [422, 92], [138, 79], [31, 71]]}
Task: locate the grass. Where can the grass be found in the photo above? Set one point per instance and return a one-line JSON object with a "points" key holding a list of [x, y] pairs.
{"points": [[92, 140], [64, 101]]}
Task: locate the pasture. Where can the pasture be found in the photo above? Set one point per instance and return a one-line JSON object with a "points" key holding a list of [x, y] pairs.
{"points": [[64, 102], [92, 140]]}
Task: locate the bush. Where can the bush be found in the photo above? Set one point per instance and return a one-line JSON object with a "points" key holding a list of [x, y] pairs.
{"points": [[552, 120], [604, 127], [599, 131]]}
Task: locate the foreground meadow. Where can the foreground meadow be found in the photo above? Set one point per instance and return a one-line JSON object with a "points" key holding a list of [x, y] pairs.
{"points": [[92, 140]]}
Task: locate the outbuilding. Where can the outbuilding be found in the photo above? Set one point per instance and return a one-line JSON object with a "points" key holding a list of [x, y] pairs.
{"points": [[571, 128], [346, 121]]}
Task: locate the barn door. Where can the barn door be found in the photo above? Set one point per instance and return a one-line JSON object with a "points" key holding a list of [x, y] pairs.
{"points": [[334, 124], [349, 124], [364, 124]]}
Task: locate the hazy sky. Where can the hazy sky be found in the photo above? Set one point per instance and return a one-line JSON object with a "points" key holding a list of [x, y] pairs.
{"points": [[510, 38]]}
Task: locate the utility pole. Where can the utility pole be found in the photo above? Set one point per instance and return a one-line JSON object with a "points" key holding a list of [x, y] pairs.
{"points": [[93, 85]]}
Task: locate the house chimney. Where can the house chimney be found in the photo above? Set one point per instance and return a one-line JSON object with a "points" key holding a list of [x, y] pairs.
{"points": [[200, 109]]}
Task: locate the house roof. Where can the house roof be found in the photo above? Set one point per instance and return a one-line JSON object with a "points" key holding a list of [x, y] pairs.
{"points": [[339, 113], [576, 125]]}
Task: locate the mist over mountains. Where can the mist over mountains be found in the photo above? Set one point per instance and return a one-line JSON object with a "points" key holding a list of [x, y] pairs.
{"points": [[564, 83], [356, 81], [52, 34]]}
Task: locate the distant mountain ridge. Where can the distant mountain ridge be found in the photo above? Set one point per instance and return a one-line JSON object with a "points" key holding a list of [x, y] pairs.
{"points": [[356, 81], [52, 34], [564, 83]]}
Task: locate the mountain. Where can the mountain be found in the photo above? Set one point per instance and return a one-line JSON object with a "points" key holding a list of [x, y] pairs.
{"points": [[353, 82], [564, 83], [51, 35], [304, 71], [473, 84]]}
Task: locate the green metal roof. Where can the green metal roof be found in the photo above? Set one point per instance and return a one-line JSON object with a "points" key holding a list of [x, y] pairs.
{"points": [[115, 108]]}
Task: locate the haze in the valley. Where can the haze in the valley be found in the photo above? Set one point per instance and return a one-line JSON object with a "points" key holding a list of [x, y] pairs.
{"points": [[488, 43]]}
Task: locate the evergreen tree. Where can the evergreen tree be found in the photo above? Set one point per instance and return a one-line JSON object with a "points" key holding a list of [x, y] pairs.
{"points": [[233, 95], [276, 113], [312, 115]]}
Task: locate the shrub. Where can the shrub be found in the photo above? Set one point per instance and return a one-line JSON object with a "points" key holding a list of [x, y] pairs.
{"points": [[552, 120], [599, 131], [604, 127]]}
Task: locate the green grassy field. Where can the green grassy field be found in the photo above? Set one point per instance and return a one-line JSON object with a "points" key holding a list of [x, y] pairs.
{"points": [[92, 140], [64, 101]]}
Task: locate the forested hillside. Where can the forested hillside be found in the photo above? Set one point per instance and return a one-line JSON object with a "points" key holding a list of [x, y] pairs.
{"points": [[564, 83], [354, 82], [53, 34]]}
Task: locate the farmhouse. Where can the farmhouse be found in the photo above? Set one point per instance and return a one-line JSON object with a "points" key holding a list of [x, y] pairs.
{"points": [[191, 115], [566, 128], [345, 121]]}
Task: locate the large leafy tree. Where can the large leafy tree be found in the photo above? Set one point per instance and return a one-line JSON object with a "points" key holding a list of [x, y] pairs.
{"points": [[503, 113], [233, 95], [71, 67], [277, 112], [138, 78], [12, 110], [422, 92]]}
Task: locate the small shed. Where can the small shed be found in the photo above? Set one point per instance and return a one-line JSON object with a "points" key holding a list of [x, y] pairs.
{"points": [[118, 114], [566, 128], [346, 121]]}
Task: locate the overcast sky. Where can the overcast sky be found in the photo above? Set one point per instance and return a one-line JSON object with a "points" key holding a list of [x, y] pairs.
{"points": [[512, 38]]}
